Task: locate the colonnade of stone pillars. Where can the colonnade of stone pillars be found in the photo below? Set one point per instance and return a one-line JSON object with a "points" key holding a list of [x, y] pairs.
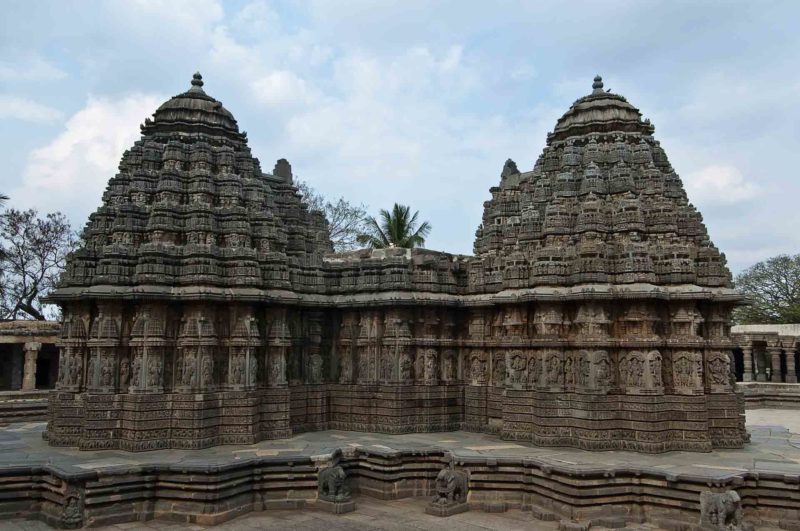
{"points": [[757, 359]]}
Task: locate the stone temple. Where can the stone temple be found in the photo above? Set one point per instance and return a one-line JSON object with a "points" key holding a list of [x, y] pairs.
{"points": [[208, 308]]}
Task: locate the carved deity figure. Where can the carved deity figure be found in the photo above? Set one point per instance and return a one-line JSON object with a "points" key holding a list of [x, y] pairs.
{"points": [[106, 374], [534, 371], [315, 368], [477, 370], [569, 371], [406, 366], [555, 374], [518, 365], [431, 370], [719, 369], [188, 369], [75, 367], [124, 372], [655, 369], [332, 484], [154, 371], [448, 368], [603, 371], [206, 370], [252, 371], [451, 487], [346, 369]]}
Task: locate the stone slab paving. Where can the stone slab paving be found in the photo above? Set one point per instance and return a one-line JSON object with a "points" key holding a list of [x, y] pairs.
{"points": [[775, 446]]}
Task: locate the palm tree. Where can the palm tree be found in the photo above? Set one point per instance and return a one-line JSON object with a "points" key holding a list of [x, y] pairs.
{"points": [[3, 199], [397, 228]]}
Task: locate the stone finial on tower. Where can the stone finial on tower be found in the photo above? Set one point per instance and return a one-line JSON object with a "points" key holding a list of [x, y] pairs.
{"points": [[509, 168], [197, 82], [283, 170], [597, 85]]}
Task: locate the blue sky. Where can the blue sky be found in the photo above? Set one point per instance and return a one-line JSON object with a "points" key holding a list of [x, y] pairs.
{"points": [[414, 102]]}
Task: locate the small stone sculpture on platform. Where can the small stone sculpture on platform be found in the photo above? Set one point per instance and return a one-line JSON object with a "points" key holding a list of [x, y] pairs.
{"points": [[334, 495], [451, 493], [722, 511]]}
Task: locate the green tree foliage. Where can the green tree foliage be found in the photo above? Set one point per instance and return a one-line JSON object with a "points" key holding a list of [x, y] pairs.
{"points": [[397, 228], [773, 289]]}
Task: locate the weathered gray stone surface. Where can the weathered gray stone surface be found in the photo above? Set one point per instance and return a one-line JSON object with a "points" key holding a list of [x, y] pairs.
{"points": [[206, 308], [217, 484]]}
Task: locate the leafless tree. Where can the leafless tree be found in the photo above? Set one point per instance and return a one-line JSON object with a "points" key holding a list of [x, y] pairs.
{"points": [[33, 254], [345, 220], [773, 289]]}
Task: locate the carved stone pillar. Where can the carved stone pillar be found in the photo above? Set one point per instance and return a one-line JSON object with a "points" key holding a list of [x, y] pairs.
{"points": [[761, 365], [747, 359], [775, 358], [791, 371], [29, 367]]}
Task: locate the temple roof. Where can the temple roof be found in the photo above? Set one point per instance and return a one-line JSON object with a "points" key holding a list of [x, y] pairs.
{"points": [[602, 204], [192, 111], [600, 111]]}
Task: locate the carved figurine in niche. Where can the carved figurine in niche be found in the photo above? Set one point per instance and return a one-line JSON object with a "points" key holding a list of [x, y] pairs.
{"points": [[188, 369], [333, 484], [603, 370], [685, 370], [499, 372], [315, 368], [252, 370], [363, 366], [276, 367], [154, 371], [631, 370], [477, 370], [534, 371], [106, 372], [569, 371], [63, 376], [206, 370], [387, 364], [719, 369], [655, 368], [582, 368], [518, 366], [406, 366], [75, 368], [73, 510], [448, 368], [555, 374], [431, 367], [124, 372], [91, 371], [237, 368]]}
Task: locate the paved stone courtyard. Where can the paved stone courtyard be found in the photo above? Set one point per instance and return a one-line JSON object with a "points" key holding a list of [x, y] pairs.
{"points": [[775, 446]]}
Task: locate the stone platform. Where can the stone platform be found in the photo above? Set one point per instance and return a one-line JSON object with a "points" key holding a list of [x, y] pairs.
{"points": [[770, 395], [69, 488]]}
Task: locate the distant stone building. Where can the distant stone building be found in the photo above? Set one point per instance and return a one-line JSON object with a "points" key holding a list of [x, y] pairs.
{"points": [[28, 355], [766, 353], [207, 308]]}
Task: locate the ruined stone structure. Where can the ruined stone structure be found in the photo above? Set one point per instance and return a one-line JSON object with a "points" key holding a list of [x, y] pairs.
{"points": [[207, 307]]}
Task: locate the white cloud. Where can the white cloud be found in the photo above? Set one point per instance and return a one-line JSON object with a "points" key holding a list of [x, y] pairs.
{"points": [[72, 170], [719, 184], [18, 108], [281, 89], [29, 67]]}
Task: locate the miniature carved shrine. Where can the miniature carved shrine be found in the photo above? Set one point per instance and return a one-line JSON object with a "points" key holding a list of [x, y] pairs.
{"points": [[207, 307]]}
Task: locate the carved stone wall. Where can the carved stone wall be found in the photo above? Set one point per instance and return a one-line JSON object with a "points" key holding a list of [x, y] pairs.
{"points": [[206, 308]]}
